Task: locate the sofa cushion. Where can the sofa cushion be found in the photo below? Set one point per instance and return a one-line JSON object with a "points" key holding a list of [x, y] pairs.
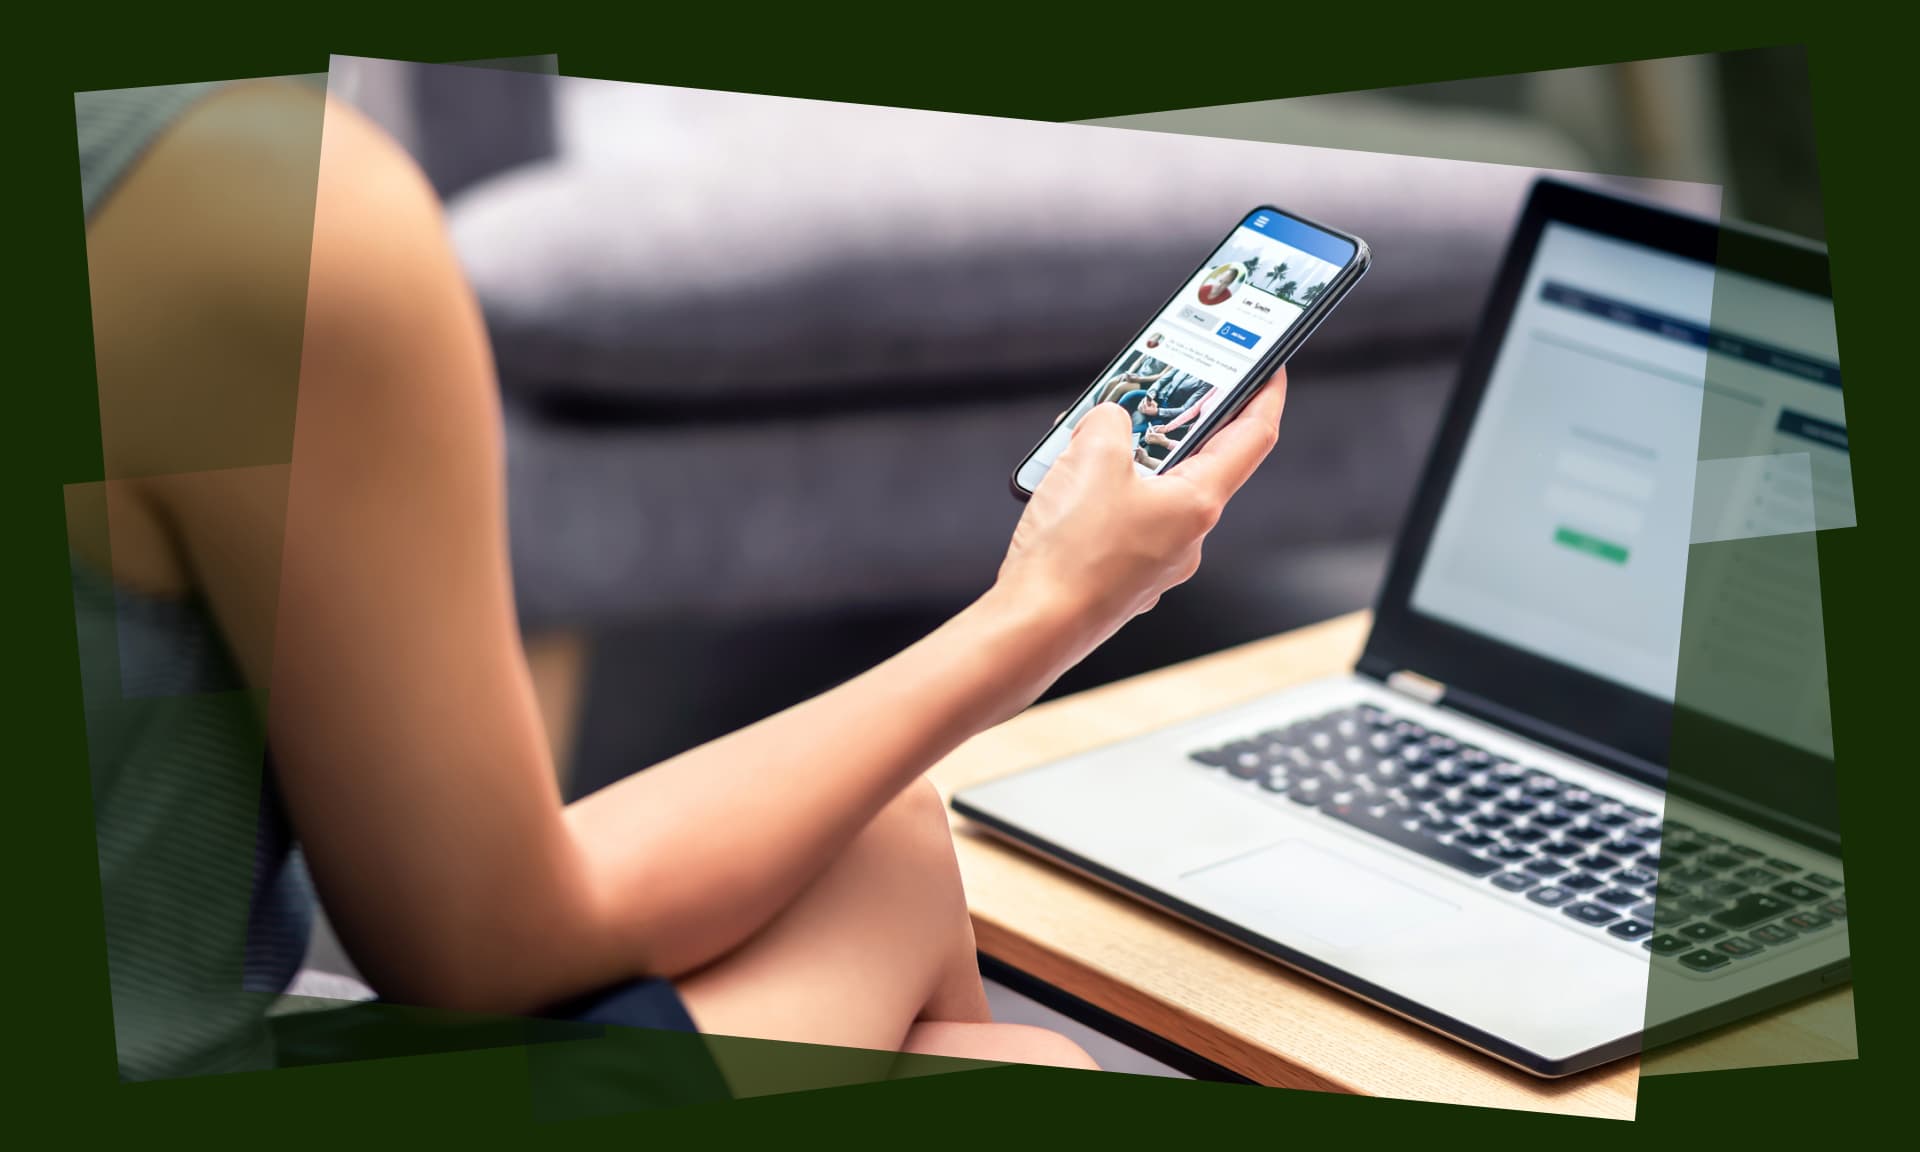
{"points": [[689, 246]]}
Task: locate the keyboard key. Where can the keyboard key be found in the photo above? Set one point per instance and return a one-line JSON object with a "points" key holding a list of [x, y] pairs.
{"points": [[1598, 862], [1835, 908], [1526, 835], [1798, 892], [1510, 853], [1701, 931], [1576, 801], [1593, 914], [1746, 853], [1819, 881], [1755, 876], [1474, 840], [1550, 895], [1700, 905], [1564, 848], [1722, 889], [1643, 911], [1247, 762], [1808, 921], [1307, 791], [1690, 875], [1667, 915], [1635, 877], [1666, 944], [1276, 781], [1779, 865], [1546, 867], [1685, 847], [1392, 831], [1721, 860], [1631, 930], [1705, 960], [1581, 882], [1751, 909], [1491, 820], [1551, 819], [1773, 934], [1589, 834], [1514, 881], [1650, 860], [1736, 946], [1618, 897]]}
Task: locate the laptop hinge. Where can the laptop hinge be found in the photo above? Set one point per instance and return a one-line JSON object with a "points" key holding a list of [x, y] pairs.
{"points": [[1421, 688]]}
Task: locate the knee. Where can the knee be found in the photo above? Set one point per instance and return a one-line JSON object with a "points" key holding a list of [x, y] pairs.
{"points": [[918, 816], [912, 831]]}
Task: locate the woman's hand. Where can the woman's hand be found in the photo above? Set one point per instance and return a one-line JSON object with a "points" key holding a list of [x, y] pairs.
{"points": [[1102, 542]]}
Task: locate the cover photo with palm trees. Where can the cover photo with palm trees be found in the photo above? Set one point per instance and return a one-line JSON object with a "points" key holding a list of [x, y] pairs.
{"points": [[1278, 269]]}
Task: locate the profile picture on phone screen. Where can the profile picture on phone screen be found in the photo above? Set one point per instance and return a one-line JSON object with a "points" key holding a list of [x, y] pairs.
{"points": [[1220, 283]]}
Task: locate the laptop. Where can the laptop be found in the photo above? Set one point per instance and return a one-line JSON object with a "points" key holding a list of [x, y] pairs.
{"points": [[1500, 825]]}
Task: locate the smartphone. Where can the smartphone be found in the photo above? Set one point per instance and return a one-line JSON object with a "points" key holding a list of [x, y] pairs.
{"points": [[1208, 349]]}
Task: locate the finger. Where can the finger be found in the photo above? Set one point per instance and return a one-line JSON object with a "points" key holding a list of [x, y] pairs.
{"points": [[1226, 460]]}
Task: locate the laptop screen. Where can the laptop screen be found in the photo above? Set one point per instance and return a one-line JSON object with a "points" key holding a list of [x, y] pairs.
{"points": [[1567, 526]]}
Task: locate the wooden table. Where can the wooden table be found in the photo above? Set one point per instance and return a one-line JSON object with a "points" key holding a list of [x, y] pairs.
{"points": [[1240, 1011]]}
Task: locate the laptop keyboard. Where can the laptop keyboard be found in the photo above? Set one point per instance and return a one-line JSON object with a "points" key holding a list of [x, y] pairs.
{"points": [[1698, 898]]}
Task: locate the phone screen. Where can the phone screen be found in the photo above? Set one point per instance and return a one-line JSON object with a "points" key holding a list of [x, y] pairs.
{"points": [[1216, 333]]}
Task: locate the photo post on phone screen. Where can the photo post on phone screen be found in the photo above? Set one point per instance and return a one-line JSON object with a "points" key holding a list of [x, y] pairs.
{"points": [[1209, 340]]}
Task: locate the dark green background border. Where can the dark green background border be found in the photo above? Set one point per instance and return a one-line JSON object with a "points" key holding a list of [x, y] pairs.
{"points": [[958, 57]]}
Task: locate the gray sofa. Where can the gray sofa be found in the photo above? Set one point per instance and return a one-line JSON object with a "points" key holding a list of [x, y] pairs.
{"points": [[765, 356]]}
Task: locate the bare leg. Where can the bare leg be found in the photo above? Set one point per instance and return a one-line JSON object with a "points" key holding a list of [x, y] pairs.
{"points": [[881, 940], [1008, 1043]]}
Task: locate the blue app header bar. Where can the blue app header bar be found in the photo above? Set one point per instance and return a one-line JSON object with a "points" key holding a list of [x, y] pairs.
{"points": [[1314, 242], [1686, 332]]}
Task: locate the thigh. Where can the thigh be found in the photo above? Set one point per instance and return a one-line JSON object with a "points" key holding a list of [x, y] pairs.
{"points": [[879, 941]]}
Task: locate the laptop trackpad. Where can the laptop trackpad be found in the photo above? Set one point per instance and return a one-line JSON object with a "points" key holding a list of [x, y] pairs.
{"points": [[1294, 887]]}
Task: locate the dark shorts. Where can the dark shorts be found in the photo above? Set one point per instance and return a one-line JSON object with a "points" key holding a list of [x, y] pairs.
{"points": [[632, 1046], [635, 1004]]}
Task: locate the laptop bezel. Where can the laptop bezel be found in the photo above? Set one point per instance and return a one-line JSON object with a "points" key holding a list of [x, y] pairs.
{"points": [[1548, 701]]}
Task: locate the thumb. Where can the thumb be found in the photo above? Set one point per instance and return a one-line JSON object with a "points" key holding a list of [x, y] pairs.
{"points": [[1106, 428]]}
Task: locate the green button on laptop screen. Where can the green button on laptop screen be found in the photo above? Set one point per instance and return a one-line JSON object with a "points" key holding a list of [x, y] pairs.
{"points": [[1591, 545]]}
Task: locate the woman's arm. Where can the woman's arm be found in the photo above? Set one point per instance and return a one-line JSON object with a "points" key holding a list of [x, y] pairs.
{"points": [[367, 588]]}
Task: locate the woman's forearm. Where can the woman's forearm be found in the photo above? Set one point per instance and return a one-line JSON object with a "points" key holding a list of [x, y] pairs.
{"points": [[689, 857]]}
